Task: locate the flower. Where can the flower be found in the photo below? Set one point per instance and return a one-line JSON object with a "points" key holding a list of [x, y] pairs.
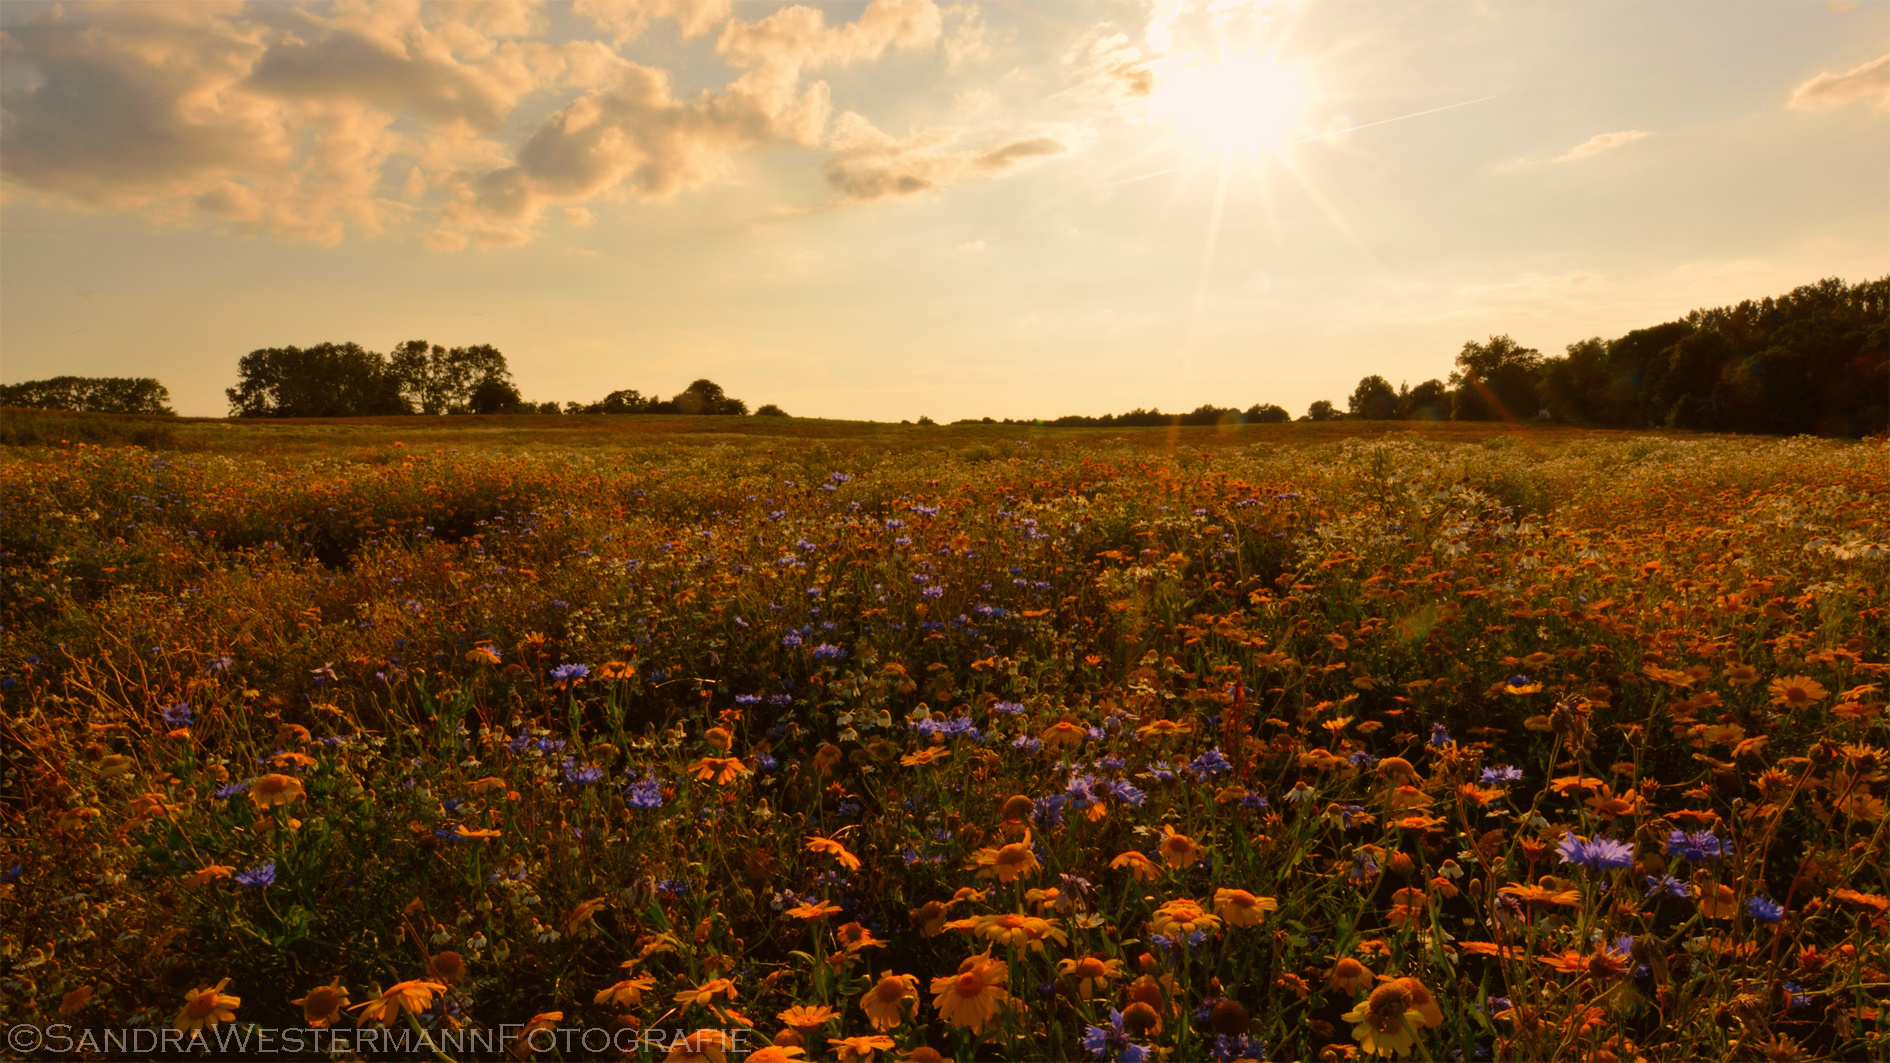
{"points": [[1387, 1021], [1696, 847], [1092, 974], [703, 1046], [412, 997], [272, 790], [1098, 1041], [721, 769], [1519, 685], [1139, 866], [833, 848], [1501, 773], [1350, 976], [803, 1017], [973, 996], [1600, 854], [1008, 862], [1013, 929], [1182, 916], [774, 1054], [1765, 910], [1241, 908], [207, 874], [627, 993], [74, 1002], [891, 1000], [259, 876], [1718, 902], [859, 1049], [323, 1004], [1178, 850], [816, 910], [706, 993], [1795, 691], [205, 1007]]}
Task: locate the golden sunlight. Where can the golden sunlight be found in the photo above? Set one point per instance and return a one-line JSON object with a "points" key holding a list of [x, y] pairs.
{"points": [[1241, 103]]}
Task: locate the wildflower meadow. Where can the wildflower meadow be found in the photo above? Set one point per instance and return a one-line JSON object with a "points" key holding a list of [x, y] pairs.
{"points": [[814, 741]]}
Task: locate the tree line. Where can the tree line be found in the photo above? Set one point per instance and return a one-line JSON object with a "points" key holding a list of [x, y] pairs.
{"points": [[1815, 361], [114, 394]]}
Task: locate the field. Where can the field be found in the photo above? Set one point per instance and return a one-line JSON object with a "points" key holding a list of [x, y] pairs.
{"points": [[714, 738]]}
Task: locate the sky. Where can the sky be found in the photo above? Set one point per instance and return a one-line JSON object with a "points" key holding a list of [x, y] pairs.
{"points": [[891, 209]]}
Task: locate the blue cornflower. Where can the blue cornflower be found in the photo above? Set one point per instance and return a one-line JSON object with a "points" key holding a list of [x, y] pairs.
{"points": [[1126, 793], [179, 715], [1008, 708], [828, 652], [1228, 1047], [1502, 773], [1439, 736], [570, 672], [231, 789], [1696, 847], [257, 877], [646, 794], [1363, 866], [1209, 764], [580, 774], [1797, 995], [748, 699], [1599, 854], [1765, 910], [790, 640], [674, 887], [1047, 812], [1099, 1041], [1026, 742], [1672, 886]]}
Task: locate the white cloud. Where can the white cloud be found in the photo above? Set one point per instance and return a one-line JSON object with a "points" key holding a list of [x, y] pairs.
{"points": [[970, 247], [1868, 83], [1599, 143], [869, 164]]}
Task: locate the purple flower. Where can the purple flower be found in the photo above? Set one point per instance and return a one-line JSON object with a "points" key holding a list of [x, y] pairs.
{"points": [[1439, 736], [1209, 764], [179, 715], [257, 877], [828, 652], [790, 640], [1502, 773], [581, 774], [1696, 847], [568, 672], [1673, 887], [931, 593], [1765, 910], [646, 794], [1599, 854]]}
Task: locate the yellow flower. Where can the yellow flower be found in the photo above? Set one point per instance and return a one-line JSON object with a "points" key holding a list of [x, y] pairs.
{"points": [[1718, 902], [1241, 908], [1387, 1021], [1092, 974], [721, 769], [205, 875], [1139, 866], [411, 997], [859, 1049], [1178, 850], [707, 992], [1795, 691], [703, 1046], [774, 1054], [834, 849], [972, 997], [1182, 916], [272, 790], [890, 999], [323, 1004], [1013, 929], [1064, 733], [1008, 862], [817, 910], [1350, 976], [803, 1017], [581, 915], [205, 1007], [628, 993]]}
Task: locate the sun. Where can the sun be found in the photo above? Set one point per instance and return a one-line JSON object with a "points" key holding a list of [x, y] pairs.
{"points": [[1241, 103]]}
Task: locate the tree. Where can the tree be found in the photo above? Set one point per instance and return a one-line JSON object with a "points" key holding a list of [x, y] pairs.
{"points": [[1373, 399], [1322, 410], [770, 410], [707, 397], [1429, 401], [326, 380], [1266, 413], [435, 380], [114, 394], [494, 395], [1496, 381]]}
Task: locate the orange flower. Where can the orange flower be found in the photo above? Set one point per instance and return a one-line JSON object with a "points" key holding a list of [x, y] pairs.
{"points": [[720, 769], [1064, 733], [810, 912], [1426, 1005], [1013, 929], [1009, 862], [1406, 906], [1718, 902], [1387, 1020], [475, 834], [890, 1000], [1178, 850], [1544, 895], [627, 993], [74, 1002], [703, 1046], [1139, 866], [833, 848], [1350, 976], [542, 1022], [1795, 691], [919, 759], [1092, 974], [973, 996], [802, 1017], [1868, 900], [482, 655], [272, 790], [706, 993], [411, 997], [1241, 908], [323, 1004], [581, 915], [1164, 728], [774, 1054], [859, 1049], [856, 936], [205, 1007], [1182, 916], [720, 737], [208, 874]]}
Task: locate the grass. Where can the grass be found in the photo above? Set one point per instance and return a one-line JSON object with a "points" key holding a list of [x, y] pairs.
{"points": [[1254, 743]]}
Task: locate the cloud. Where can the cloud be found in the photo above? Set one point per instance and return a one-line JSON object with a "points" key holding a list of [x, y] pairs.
{"points": [[627, 21], [872, 165], [968, 42], [970, 247], [1869, 83], [1599, 143]]}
